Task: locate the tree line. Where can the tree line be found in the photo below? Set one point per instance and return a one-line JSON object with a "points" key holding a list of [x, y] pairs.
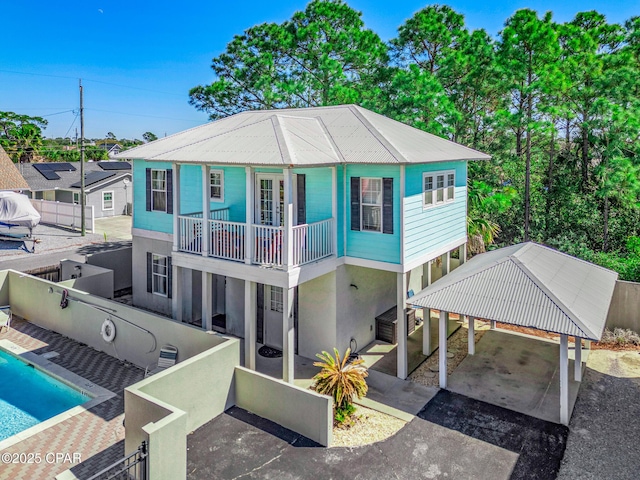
{"points": [[557, 105], [21, 136]]}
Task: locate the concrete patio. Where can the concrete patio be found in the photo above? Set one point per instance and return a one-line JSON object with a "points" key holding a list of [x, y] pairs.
{"points": [[518, 372]]}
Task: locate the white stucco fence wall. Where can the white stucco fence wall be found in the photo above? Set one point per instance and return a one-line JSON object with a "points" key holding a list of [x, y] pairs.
{"points": [[139, 334]]}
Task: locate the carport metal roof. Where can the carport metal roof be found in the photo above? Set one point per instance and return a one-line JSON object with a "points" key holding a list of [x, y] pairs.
{"points": [[529, 285]]}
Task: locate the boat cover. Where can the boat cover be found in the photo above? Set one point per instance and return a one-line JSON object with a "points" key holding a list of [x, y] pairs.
{"points": [[16, 211]]}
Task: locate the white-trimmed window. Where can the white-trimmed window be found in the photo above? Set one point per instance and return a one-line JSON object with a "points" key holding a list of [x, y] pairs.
{"points": [[438, 188], [159, 190], [76, 197], [371, 204], [216, 185], [107, 200], [276, 299], [160, 275]]}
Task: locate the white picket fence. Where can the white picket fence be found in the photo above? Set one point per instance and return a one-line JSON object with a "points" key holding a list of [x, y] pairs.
{"points": [[64, 214]]}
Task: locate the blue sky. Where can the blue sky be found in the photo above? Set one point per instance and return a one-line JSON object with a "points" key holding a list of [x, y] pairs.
{"points": [[138, 60]]}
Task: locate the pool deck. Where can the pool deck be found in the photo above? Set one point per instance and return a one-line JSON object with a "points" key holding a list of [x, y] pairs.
{"points": [[95, 436]]}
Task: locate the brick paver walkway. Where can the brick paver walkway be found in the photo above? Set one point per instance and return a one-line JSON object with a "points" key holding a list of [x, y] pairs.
{"points": [[97, 435]]}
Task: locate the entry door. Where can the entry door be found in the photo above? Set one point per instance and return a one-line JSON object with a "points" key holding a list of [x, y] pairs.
{"points": [[273, 303], [269, 199]]}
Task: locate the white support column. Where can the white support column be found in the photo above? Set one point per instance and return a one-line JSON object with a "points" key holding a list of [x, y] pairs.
{"points": [[288, 336], [334, 209], [176, 206], [442, 349], [207, 300], [577, 371], [493, 324], [401, 325], [250, 192], [587, 344], [472, 335], [426, 331], [564, 379], [426, 274], [206, 207], [250, 305], [176, 302], [287, 247], [462, 253], [446, 263]]}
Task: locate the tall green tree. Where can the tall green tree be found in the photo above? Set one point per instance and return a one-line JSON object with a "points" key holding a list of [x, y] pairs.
{"points": [[21, 135], [323, 55], [527, 56]]}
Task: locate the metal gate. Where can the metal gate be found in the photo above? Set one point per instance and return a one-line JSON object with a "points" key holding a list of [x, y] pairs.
{"points": [[131, 467]]}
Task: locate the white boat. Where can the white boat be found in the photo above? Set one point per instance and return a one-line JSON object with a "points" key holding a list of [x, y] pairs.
{"points": [[18, 218]]}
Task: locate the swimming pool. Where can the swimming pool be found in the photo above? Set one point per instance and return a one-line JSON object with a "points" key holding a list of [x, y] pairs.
{"points": [[29, 396]]}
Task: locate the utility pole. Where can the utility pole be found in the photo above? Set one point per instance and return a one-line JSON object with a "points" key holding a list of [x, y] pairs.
{"points": [[82, 216]]}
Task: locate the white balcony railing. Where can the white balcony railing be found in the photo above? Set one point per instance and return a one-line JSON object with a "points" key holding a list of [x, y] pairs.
{"points": [[311, 242]]}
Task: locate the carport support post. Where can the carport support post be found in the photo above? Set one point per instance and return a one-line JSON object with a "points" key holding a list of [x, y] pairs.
{"points": [[472, 335], [564, 379], [176, 301], [577, 371], [493, 324], [426, 331], [442, 349], [401, 325], [250, 302], [287, 335]]}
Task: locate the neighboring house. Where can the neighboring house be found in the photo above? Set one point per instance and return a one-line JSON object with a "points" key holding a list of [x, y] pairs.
{"points": [[107, 184], [318, 220], [10, 177], [112, 149]]}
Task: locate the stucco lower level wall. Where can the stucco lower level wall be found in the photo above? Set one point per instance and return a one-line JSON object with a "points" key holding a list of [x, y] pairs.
{"points": [[362, 294], [624, 311], [142, 298], [317, 315]]}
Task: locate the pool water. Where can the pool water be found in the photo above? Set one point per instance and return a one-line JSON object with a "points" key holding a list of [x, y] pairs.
{"points": [[29, 396]]}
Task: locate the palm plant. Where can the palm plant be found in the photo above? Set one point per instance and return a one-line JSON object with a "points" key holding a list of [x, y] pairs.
{"points": [[341, 379]]}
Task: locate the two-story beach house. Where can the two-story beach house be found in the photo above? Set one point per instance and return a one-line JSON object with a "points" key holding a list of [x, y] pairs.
{"points": [[295, 228]]}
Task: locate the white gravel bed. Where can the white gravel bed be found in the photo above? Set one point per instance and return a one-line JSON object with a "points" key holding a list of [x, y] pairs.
{"points": [[371, 426]]}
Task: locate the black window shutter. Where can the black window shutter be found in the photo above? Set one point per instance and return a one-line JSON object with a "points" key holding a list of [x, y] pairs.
{"points": [[295, 319], [355, 203], [169, 278], [149, 272], [169, 191], [260, 314], [302, 199], [387, 205], [148, 189]]}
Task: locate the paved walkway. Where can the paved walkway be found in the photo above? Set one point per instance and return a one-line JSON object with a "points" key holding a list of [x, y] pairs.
{"points": [[97, 434], [452, 437], [606, 421]]}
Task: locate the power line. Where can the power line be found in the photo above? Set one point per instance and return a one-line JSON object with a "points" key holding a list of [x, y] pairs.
{"points": [[141, 115], [94, 81]]}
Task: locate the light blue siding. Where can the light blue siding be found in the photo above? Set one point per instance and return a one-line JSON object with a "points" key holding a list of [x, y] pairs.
{"points": [[375, 245], [318, 193], [234, 188], [156, 221], [341, 216], [435, 227]]}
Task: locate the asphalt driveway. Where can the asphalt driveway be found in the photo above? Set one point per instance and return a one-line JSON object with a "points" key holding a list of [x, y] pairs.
{"points": [[452, 437]]}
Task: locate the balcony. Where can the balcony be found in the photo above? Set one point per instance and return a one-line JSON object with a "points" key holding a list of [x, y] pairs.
{"points": [[255, 244]]}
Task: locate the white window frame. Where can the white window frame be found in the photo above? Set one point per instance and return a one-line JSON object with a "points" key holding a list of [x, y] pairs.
{"points": [[154, 190], [112, 200], [378, 204], [76, 197], [440, 194], [276, 300], [219, 198], [162, 277]]}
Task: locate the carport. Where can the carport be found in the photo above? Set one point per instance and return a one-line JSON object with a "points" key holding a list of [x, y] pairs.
{"points": [[528, 285]]}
